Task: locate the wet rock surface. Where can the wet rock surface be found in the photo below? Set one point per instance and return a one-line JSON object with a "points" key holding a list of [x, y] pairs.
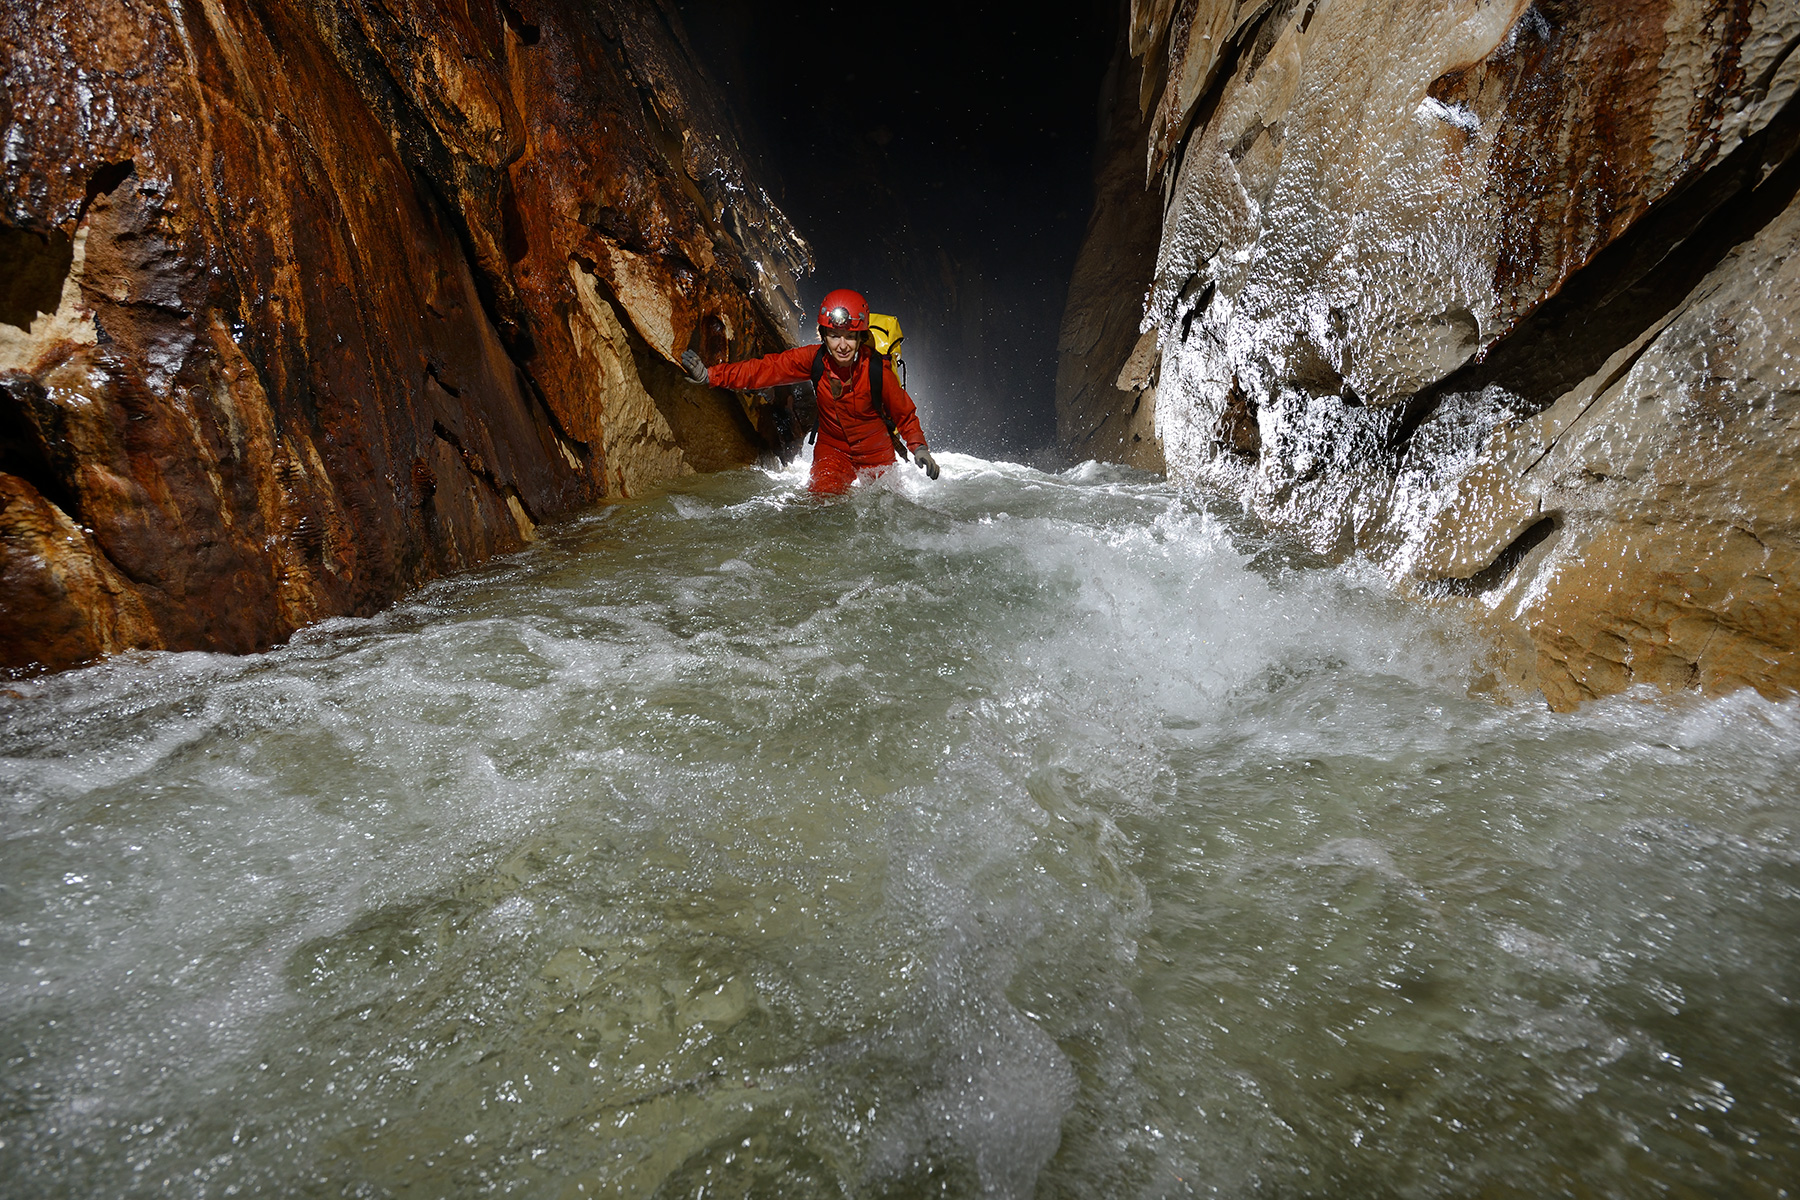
{"points": [[307, 303], [1495, 295], [1105, 367]]}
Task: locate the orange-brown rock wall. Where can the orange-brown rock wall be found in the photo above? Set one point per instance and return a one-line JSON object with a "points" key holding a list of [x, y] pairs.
{"points": [[307, 303]]}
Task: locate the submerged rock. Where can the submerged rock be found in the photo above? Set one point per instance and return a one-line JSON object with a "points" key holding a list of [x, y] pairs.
{"points": [[308, 303], [1498, 296]]}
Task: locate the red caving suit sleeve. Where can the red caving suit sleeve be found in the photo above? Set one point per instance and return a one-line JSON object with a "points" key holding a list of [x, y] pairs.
{"points": [[771, 370], [900, 407]]}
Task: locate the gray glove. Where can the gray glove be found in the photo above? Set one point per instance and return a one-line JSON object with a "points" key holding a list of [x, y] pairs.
{"points": [[696, 370], [927, 464]]}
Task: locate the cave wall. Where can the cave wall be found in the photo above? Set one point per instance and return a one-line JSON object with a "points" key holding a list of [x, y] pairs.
{"points": [[305, 303], [1105, 399], [1500, 296]]}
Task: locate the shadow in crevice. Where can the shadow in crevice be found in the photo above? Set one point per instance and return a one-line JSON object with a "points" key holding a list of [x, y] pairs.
{"points": [[1501, 569], [34, 441], [527, 33], [33, 267]]}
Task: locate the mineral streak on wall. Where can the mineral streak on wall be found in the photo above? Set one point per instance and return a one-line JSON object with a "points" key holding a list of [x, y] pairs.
{"points": [[303, 302], [1499, 295]]}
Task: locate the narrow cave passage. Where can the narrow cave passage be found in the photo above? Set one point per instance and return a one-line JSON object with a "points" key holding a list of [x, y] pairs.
{"points": [[940, 161], [1068, 829]]}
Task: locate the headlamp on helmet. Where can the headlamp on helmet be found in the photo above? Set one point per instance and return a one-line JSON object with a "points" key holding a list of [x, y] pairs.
{"points": [[844, 311]]}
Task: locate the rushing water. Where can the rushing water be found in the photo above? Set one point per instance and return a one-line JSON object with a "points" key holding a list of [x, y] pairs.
{"points": [[1015, 834]]}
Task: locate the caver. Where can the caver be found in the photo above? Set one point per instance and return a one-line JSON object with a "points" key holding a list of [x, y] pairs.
{"points": [[864, 413]]}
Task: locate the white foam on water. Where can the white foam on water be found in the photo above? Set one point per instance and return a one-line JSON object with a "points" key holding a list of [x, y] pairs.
{"points": [[1013, 833]]}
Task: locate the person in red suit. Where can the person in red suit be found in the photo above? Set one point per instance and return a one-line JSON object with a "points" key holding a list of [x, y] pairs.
{"points": [[852, 433]]}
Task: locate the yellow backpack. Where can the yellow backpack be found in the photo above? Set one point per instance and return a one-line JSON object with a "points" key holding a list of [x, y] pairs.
{"points": [[885, 333]]}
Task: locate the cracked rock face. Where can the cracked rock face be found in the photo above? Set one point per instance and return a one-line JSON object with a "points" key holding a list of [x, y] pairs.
{"points": [[306, 303], [1495, 294]]}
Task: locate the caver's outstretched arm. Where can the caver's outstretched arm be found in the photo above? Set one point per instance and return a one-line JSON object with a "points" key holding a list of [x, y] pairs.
{"points": [[771, 370]]}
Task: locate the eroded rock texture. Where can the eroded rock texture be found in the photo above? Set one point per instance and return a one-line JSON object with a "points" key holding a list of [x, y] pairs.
{"points": [[306, 302], [1500, 295]]}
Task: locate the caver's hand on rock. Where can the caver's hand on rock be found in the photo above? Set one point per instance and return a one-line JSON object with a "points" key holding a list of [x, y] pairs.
{"points": [[696, 370], [927, 464]]}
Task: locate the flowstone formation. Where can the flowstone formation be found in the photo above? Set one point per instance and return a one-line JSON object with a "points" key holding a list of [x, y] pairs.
{"points": [[303, 303], [1499, 295]]}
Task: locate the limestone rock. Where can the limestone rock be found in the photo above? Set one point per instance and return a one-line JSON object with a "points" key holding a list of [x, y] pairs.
{"points": [[1667, 544], [1494, 294], [307, 303], [1104, 403]]}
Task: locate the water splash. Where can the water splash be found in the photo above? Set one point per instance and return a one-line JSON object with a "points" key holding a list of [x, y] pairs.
{"points": [[1017, 834]]}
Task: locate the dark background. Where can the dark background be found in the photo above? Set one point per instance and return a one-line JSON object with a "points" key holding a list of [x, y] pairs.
{"points": [[939, 159]]}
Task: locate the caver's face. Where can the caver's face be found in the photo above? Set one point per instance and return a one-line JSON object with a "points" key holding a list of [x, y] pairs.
{"points": [[841, 345]]}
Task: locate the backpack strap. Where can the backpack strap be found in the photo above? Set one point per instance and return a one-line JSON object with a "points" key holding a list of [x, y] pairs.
{"points": [[817, 373], [878, 369]]}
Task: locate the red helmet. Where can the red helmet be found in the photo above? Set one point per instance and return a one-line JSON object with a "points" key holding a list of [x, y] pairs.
{"points": [[844, 309]]}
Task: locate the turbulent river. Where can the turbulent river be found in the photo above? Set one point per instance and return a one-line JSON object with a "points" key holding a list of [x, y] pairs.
{"points": [[1018, 834]]}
